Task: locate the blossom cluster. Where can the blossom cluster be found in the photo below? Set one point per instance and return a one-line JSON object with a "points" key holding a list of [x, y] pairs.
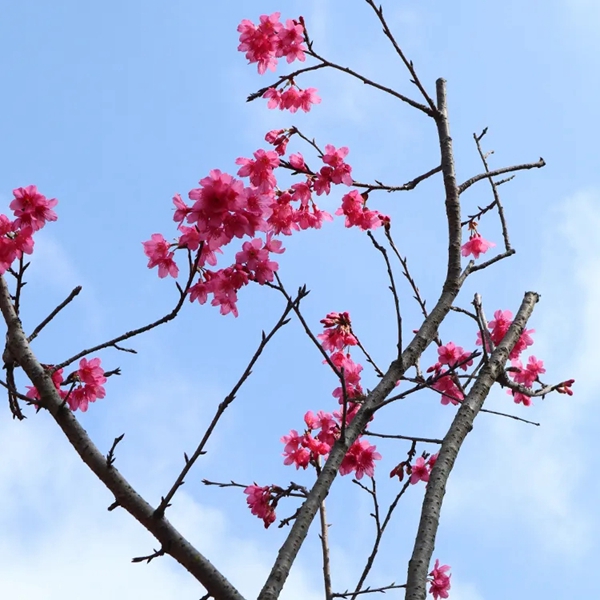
{"points": [[269, 40], [451, 357], [264, 44], [32, 211], [323, 429], [223, 208], [87, 385], [419, 471], [440, 581], [261, 502], [445, 377]]}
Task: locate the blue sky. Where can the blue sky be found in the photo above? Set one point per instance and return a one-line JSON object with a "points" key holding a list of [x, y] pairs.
{"points": [[114, 107]]}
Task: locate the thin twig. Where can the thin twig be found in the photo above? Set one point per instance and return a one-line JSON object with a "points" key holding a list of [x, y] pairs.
{"points": [[369, 590], [489, 174], [189, 462], [51, 316], [410, 438], [408, 63], [393, 290], [134, 332], [324, 535]]}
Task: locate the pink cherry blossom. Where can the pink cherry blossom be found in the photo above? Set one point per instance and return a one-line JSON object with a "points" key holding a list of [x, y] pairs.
{"points": [[440, 583], [260, 170], [520, 398], [451, 394], [341, 171], [157, 249], [498, 329], [338, 332], [452, 355], [31, 208], [259, 501], [278, 138], [260, 42], [290, 41], [565, 387], [57, 379], [181, 209], [357, 214], [360, 459], [419, 471], [528, 374], [476, 246], [351, 373], [294, 451], [90, 376]]}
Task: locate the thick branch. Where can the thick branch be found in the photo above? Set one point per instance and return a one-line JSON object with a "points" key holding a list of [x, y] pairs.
{"points": [[463, 423], [428, 331], [172, 542]]}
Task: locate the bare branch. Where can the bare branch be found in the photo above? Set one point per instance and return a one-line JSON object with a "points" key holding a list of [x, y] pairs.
{"points": [[51, 316], [170, 539], [189, 463], [393, 290], [489, 174], [400, 53]]}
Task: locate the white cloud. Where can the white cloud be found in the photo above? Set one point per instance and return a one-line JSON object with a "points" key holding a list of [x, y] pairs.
{"points": [[532, 479], [59, 541]]}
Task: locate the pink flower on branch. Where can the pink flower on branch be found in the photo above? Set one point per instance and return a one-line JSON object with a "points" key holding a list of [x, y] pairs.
{"points": [[292, 99], [338, 332], [499, 328], [91, 380], [476, 246], [340, 170], [270, 40], [360, 459], [31, 208], [419, 471], [440, 582], [259, 501], [158, 250], [357, 214], [451, 394], [260, 170]]}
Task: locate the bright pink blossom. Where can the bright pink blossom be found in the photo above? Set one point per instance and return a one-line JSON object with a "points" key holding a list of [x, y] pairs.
{"points": [[451, 394], [260, 42], [453, 355], [57, 379], [278, 138], [341, 171], [338, 332], [419, 471], [90, 376], [290, 41], [351, 372], [499, 328], [297, 161], [440, 582], [157, 249], [357, 214], [260, 170], [476, 246], [259, 501], [360, 459], [31, 208]]}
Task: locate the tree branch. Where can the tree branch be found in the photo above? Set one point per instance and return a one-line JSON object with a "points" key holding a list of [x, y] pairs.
{"points": [[462, 424], [170, 539]]}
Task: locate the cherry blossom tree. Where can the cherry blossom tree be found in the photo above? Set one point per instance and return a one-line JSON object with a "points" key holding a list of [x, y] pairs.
{"points": [[273, 195]]}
